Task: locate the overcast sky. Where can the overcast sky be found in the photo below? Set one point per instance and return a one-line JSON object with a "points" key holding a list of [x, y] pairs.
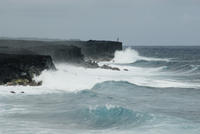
{"points": [[135, 22]]}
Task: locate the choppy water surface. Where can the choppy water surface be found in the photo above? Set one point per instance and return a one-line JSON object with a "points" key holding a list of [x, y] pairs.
{"points": [[159, 94]]}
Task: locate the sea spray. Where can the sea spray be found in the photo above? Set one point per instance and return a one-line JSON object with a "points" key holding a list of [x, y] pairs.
{"points": [[72, 78], [130, 56]]}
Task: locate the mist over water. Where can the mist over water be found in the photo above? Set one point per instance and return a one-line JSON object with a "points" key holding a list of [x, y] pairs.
{"points": [[158, 94]]}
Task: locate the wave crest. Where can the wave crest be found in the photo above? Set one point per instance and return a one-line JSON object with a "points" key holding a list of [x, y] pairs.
{"points": [[130, 56], [108, 116]]}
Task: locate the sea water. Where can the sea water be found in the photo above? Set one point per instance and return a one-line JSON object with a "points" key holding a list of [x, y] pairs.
{"points": [[156, 91]]}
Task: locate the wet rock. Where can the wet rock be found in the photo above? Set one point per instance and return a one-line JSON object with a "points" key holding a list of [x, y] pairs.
{"points": [[90, 64], [13, 92], [18, 82], [21, 69], [125, 69], [24, 82], [109, 67], [34, 83]]}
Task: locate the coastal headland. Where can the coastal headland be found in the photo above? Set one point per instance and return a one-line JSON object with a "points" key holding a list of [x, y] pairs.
{"points": [[21, 60]]}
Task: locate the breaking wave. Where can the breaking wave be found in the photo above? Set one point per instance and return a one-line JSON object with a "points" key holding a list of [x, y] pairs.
{"points": [[130, 56], [70, 78], [143, 71]]}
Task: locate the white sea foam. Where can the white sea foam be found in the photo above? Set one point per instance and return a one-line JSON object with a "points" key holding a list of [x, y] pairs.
{"points": [[130, 56], [71, 78]]}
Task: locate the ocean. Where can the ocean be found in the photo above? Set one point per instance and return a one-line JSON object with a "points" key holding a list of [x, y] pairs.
{"points": [[156, 91]]}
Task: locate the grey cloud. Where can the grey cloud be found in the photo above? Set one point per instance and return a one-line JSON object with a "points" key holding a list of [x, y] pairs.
{"points": [[131, 20]]}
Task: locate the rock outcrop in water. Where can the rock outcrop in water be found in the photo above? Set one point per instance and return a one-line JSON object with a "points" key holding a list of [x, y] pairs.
{"points": [[109, 67], [20, 69]]}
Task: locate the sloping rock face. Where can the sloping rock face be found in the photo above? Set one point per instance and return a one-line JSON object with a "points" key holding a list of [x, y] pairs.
{"points": [[20, 69]]}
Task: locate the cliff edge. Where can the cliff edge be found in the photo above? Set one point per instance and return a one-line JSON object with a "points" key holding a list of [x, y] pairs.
{"points": [[21, 69], [63, 51], [21, 60]]}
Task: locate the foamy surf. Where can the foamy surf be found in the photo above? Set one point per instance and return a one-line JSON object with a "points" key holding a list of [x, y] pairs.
{"points": [[130, 56], [72, 78]]}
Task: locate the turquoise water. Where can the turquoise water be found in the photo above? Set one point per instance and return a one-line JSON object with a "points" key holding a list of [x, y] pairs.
{"points": [[158, 95]]}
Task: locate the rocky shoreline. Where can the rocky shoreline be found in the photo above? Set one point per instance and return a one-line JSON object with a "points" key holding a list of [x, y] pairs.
{"points": [[21, 69], [22, 60]]}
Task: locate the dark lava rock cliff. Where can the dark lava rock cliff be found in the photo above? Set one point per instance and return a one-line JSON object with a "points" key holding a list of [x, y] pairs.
{"points": [[63, 51], [21, 59], [20, 69]]}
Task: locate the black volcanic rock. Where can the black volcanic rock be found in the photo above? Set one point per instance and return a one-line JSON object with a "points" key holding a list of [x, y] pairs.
{"points": [[94, 49], [63, 51], [100, 50], [109, 67], [13, 92], [20, 69], [21, 59], [60, 53]]}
